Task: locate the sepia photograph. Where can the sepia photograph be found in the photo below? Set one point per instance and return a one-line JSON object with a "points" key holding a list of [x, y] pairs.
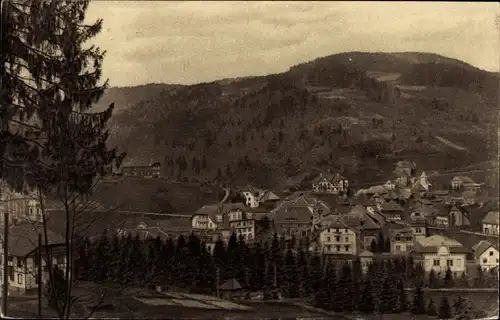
{"points": [[262, 160]]}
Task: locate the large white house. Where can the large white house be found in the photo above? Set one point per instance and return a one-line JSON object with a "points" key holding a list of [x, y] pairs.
{"points": [[22, 262], [441, 253], [337, 238], [233, 216], [486, 255]]}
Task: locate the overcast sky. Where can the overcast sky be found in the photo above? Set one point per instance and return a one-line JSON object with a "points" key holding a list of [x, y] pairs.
{"points": [[190, 42]]}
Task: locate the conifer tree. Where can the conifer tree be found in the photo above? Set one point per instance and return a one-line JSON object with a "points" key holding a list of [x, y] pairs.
{"points": [[357, 273], [389, 299], [448, 279], [431, 308], [331, 284], [346, 288], [445, 311], [290, 275], [403, 298], [367, 303], [432, 281], [418, 306]]}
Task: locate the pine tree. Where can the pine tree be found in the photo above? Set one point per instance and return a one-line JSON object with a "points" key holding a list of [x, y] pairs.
{"points": [[290, 275], [357, 274], [448, 279], [479, 280], [444, 309], [367, 303], [403, 298], [431, 309], [433, 281], [389, 298], [102, 260], [345, 288], [418, 306], [463, 281], [331, 284]]}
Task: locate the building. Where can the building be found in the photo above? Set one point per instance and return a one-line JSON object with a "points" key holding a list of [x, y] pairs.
{"points": [[392, 211], [464, 183], [490, 223], [458, 216], [230, 216], [440, 253], [21, 207], [402, 240], [338, 239], [405, 168], [368, 226], [255, 198], [419, 228], [329, 183], [151, 171], [486, 255], [22, 263]]}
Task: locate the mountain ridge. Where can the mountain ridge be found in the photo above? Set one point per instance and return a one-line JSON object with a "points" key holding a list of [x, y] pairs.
{"points": [[276, 122]]}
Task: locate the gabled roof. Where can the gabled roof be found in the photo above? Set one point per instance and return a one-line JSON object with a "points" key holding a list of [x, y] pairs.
{"points": [[23, 238], [433, 243], [211, 209], [391, 206], [481, 247], [405, 164], [366, 254], [463, 179], [231, 284], [358, 215], [293, 214], [491, 217], [268, 196]]}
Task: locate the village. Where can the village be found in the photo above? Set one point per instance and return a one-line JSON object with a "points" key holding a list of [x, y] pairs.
{"points": [[447, 234]]}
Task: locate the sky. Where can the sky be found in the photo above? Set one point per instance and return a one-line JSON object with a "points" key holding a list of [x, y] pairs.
{"points": [[187, 42]]}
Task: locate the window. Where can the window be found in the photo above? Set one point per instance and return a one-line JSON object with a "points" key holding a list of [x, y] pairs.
{"points": [[328, 239], [497, 260], [418, 230], [346, 248], [338, 248], [329, 247], [11, 258], [449, 263], [398, 248], [11, 273], [491, 253], [397, 238], [20, 278], [346, 239], [337, 238], [436, 262], [485, 260], [19, 262]]}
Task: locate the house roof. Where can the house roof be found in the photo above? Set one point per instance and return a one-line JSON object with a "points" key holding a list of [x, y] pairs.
{"points": [[212, 209], [357, 215], [23, 238], [491, 217], [268, 196], [391, 206], [468, 194], [463, 179], [481, 247], [433, 243], [231, 284], [366, 254], [294, 214], [405, 164]]}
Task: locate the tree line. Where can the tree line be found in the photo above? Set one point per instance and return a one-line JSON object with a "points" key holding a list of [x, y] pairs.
{"points": [[270, 267]]}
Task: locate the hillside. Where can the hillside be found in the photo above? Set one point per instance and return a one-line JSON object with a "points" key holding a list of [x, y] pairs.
{"points": [[330, 113]]}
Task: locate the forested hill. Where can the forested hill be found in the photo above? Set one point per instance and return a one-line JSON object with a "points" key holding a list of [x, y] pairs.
{"points": [[278, 129]]}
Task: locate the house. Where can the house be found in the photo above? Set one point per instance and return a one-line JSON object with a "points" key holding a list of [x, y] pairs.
{"points": [[366, 258], [402, 240], [490, 222], [439, 196], [440, 253], [268, 199], [338, 238], [22, 260], [401, 178], [251, 196], [233, 216], [419, 228], [368, 225], [294, 220], [21, 207], [464, 183], [405, 167], [151, 171], [392, 211], [469, 197], [458, 216], [329, 183], [422, 183], [486, 255]]}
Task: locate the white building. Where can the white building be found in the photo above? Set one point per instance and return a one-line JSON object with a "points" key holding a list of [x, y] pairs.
{"points": [[233, 216], [490, 223], [440, 253], [338, 238], [486, 255], [22, 263]]}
